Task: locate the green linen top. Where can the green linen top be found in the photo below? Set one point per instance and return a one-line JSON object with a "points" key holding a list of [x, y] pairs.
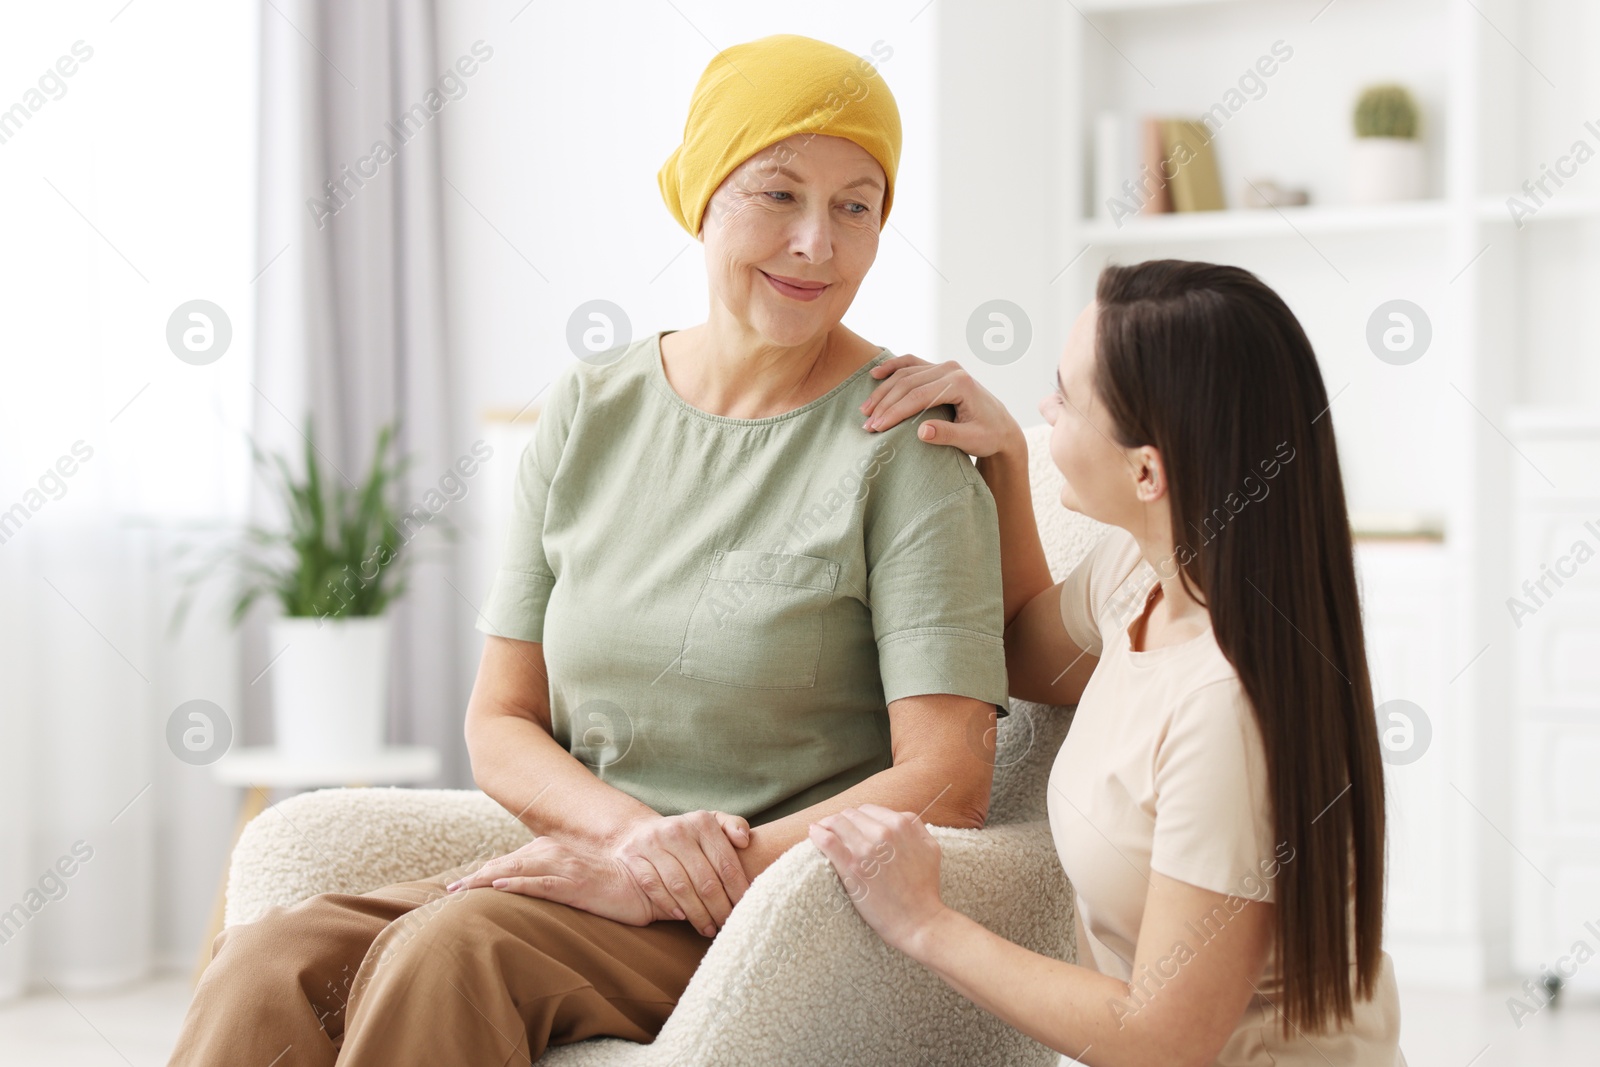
{"points": [[727, 606]]}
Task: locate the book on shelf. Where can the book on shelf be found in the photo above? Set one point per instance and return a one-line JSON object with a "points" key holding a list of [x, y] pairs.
{"points": [[1153, 141], [1190, 166], [1153, 165]]}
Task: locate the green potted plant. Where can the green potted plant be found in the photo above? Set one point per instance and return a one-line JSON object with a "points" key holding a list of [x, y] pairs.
{"points": [[334, 568], [1386, 160]]}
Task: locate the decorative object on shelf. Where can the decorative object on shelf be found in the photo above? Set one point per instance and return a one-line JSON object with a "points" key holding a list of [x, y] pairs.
{"points": [[1266, 193], [1386, 160], [334, 569], [1190, 166]]}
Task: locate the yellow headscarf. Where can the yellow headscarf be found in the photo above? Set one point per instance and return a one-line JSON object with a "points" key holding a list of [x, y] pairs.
{"points": [[753, 95]]}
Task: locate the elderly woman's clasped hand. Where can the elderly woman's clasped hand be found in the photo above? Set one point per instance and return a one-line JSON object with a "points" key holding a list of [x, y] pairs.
{"points": [[657, 868]]}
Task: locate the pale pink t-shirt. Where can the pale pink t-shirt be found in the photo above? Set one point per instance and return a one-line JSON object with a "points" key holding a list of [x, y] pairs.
{"points": [[1164, 769]]}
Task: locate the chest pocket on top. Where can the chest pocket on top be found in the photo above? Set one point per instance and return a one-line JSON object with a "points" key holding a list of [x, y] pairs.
{"points": [[758, 620]]}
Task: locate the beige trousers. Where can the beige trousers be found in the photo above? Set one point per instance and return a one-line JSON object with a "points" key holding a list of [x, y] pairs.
{"points": [[407, 974]]}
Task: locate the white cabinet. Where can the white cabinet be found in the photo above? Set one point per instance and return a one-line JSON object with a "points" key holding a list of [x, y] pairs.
{"points": [[1408, 599], [1553, 624]]}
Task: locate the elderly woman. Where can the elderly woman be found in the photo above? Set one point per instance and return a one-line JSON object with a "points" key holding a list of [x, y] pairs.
{"points": [[726, 610]]}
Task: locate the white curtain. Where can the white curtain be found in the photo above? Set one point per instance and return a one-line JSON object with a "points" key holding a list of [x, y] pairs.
{"points": [[351, 309], [127, 171], [174, 163]]}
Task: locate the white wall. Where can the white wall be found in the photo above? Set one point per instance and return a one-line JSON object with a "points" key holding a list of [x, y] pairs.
{"points": [[1005, 186]]}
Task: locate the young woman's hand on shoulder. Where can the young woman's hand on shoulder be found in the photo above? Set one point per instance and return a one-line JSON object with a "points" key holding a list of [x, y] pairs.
{"points": [[982, 426]]}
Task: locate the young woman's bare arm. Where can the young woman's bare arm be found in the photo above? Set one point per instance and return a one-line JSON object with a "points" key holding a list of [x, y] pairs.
{"points": [[1198, 961], [1043, 663], [1023, 569], [1185, 999]]}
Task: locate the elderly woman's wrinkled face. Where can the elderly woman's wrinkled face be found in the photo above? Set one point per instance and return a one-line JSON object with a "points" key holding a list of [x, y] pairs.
{"points": [[791, 232]]}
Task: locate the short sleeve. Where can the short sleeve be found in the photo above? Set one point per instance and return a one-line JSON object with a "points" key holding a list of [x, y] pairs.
{"points": [[521, 588], [1214, 824], [938, 612], [1077, 604], [1100, 582]]}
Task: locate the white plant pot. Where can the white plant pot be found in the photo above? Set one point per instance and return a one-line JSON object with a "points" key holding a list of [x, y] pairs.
{"points": [[330, 686], [1385, 169]]}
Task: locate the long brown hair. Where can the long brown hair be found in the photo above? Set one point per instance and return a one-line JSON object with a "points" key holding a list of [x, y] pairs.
{"points": [[1209, 366]]}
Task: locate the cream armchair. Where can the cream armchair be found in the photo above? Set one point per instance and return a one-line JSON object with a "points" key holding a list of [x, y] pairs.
{"points": [[795, 976]]}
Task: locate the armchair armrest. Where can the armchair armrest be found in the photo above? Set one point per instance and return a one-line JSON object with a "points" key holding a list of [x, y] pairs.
{"points": [[797, 969], [354, 840]]}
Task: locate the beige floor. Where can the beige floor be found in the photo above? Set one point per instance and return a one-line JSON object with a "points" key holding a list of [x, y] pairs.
{"points": [[138, 1025]]}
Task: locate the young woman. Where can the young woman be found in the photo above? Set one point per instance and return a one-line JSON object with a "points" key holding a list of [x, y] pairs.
{"points": [[1218, 804]]}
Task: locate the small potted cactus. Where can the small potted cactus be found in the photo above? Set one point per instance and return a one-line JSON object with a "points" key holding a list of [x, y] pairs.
{"points": [[1386, 160]]}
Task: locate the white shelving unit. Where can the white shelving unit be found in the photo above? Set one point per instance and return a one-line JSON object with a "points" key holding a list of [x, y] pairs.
{"points": [[1289, 223], [1504, 87]]}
